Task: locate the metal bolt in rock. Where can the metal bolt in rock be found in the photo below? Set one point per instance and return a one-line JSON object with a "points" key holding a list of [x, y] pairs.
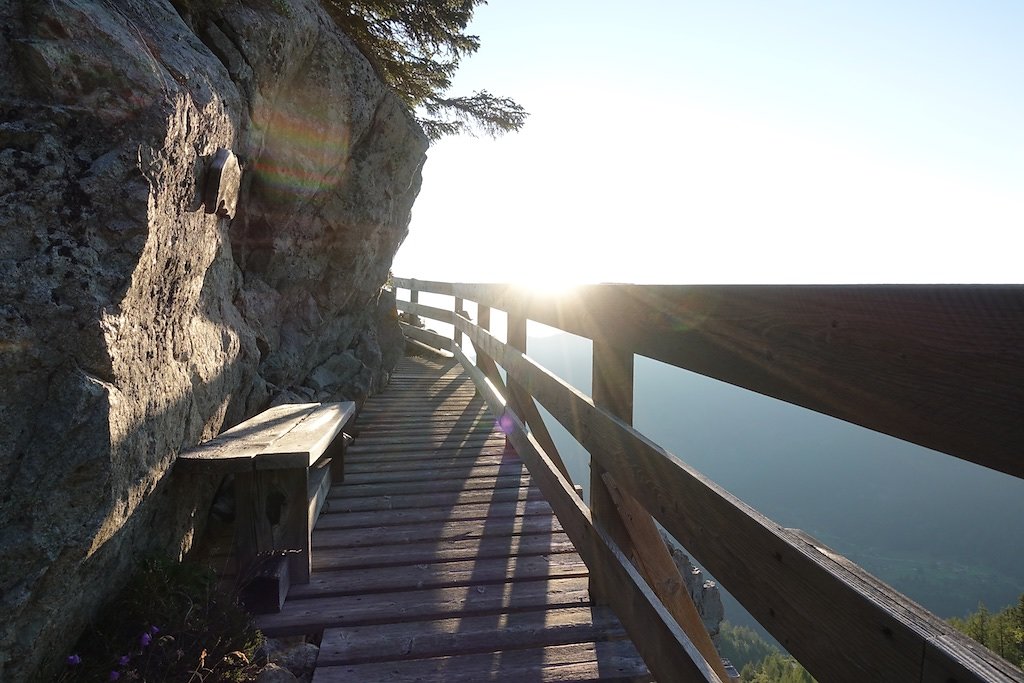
{"points": [[223, 180]]}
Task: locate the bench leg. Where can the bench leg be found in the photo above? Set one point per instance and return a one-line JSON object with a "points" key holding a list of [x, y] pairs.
{"points": [[273, 514], [336, 452]]}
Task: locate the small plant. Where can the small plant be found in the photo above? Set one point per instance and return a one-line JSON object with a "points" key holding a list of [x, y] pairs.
{"points": [[170, 624]]}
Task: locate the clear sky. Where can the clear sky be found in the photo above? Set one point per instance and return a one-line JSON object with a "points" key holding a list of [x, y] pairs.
{"points": [[736, 142]]}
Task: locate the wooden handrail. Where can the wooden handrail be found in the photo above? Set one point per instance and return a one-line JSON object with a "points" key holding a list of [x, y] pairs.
{"points": [[839, 621], [941, 366]]}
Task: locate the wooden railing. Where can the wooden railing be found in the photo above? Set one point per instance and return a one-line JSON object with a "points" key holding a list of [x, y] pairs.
{"points": [[941, 366]]}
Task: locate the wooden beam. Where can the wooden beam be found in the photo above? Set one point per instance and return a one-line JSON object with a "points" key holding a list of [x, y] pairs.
{"points": [[522, 401], [612, 382], [938, 365], [428, 337], [483, 361], [458, 312], [839, 621], [432, 312], [665, 648], [655, 563]]}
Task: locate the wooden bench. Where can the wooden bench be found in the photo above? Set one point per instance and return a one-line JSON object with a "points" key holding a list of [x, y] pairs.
{"points": [[284, 461]]}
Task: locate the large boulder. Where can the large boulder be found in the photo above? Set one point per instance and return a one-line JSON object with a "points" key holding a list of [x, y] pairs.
{"points": [[134, 324]]}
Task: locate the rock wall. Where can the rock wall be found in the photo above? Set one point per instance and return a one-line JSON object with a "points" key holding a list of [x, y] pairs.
{"points": [[704, 592], [132, 323]]}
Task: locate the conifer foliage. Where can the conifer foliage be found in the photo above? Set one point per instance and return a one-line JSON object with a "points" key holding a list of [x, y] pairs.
{"points": [[415, 46]]}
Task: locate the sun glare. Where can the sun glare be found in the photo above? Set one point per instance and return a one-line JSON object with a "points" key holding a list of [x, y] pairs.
{"points": [[548, 285]]}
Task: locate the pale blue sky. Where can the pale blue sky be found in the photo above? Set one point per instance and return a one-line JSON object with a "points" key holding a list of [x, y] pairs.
{"points": [[710, 142]]}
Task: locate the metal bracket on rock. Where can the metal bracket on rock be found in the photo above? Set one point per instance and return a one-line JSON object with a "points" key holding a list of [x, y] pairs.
{"points": [[223, 180]]}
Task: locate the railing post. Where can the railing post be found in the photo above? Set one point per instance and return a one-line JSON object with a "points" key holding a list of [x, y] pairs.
{"points": [[458, 311], [515, 335], [483, 361], [613, 391], [522, 400], [414, 298]]}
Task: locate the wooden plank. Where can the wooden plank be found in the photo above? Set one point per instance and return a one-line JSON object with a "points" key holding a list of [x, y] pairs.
{"points": [[428, 337], [419, 640], [513, 480], [436, 438], [611, 660], [652, 557], [443, 499], [470, 470], [522, 403], [665, 647], [432, 312], [441, 575], [467, 549], [477, 442], [356, 520], [841, 623], [433, 531], [307, 616], [448, 412], [304, 443], [279, 515], [413, 465], [319, 488], [437, 391], [235, 448], [440, 455], [413, 346]]}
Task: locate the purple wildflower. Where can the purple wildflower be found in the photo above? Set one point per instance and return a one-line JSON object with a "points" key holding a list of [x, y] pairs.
{"points": [[154, 630], [124, 660], [145, 639], [74, 660], [114, 675]]}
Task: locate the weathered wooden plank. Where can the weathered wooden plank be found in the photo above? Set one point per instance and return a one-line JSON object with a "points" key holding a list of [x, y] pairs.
{"points": [[439, 455], [410, 465], [319, 486], [438, 438], [435, 392], [468, 470], [410, 427], [307, 616], [433, 531], [432, 312], [443, 499], [304, 443], [474, 442], [814, 602], [468, 549], [614, 660], [440, 409], [419, 640], [480, 511], [441, 575], [384, 421], [511, 480], [235, 448], [666, 649], [428, 337], [652, 558]]}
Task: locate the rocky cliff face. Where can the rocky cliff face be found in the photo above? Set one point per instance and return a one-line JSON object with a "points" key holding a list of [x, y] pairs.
{"points": [[132, 323], [703, 591]]}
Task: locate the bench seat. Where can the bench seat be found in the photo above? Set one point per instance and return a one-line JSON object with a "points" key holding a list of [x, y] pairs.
{"points": [[284, 461]]}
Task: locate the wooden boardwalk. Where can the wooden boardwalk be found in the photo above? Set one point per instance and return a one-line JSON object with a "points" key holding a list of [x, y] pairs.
{"points": [[437, 560]]}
